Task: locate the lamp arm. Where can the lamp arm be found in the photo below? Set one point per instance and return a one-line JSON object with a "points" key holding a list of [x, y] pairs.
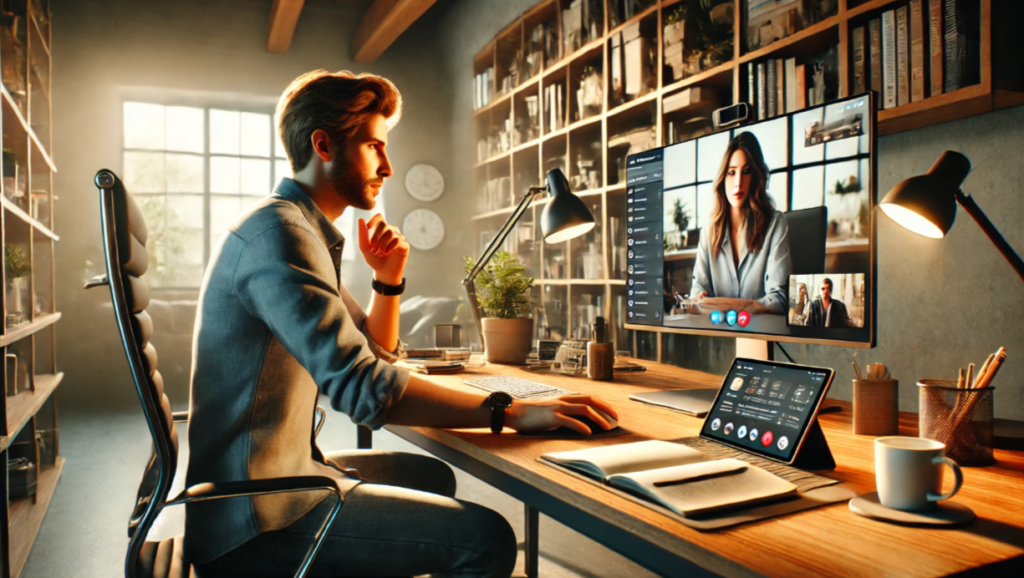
{"points": [[994, 235], [491, 249]]}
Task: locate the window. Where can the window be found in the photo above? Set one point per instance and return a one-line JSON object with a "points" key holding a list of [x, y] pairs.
{"points": [[194, 171]]}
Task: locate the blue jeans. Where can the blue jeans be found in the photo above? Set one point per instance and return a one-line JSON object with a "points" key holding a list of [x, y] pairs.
{"points": [[403, 520]]}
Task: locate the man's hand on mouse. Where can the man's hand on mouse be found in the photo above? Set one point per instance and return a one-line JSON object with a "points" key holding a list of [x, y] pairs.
{"points": [[384, 248], [550, 413]]}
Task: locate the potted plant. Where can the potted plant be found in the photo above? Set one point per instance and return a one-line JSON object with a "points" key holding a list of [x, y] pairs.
{"points": [[17, 268], [505, 300]]}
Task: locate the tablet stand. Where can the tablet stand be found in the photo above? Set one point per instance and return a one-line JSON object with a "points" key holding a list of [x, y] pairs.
{"points": [[815, 453]]}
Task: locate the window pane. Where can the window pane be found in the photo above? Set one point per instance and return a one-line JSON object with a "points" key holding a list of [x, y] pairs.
{"points": [[256, 134], [282, 169], [808, 188], [346, 224], [846, 196], [186, 212], [143, 126], [771, 135], [224, 132], [255, 177], [778, 190], [185, 129], [705, 204], [680, 216], [681, 164], [144, 172], [223, 212], [710, 151], [154, 211], [184, 173], [224, 174]]}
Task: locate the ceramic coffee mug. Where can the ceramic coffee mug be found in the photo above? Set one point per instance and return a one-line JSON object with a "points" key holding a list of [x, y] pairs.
{"points": [[908, 472]]}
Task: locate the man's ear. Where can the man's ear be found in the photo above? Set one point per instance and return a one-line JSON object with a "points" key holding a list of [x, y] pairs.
{"points": [[321, 144]]}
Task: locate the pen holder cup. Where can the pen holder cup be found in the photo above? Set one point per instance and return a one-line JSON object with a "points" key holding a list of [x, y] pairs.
{"points": [[960, 418], [876, 407]]}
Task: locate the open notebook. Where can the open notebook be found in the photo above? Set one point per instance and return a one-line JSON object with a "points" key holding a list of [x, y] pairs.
{"points": [[682, 479]]}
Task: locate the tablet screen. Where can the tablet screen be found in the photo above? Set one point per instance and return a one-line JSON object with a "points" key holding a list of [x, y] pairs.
{"points": [[765, 407]]}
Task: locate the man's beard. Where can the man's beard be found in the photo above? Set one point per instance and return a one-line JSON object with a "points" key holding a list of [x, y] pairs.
{"points": [[350, 186]]}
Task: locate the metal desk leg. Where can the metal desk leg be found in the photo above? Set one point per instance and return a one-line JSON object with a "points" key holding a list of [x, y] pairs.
{"points": [[531, 546], [364, 437]]}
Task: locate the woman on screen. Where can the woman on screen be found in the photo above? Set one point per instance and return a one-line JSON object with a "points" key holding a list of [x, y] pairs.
{"points": [[743, 261]]}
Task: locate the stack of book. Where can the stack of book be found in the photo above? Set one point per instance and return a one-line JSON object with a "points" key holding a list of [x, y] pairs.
{"points": [[778, 87], [925, 48], [554, 105], [631, 72], [483, 88]]}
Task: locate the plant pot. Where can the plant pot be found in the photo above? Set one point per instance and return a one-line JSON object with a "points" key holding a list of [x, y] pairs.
{"points": [[507, 341]]}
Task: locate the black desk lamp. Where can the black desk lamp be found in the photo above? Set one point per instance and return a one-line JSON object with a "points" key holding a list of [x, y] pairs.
{"points": [[566, 217], [926, 204]]}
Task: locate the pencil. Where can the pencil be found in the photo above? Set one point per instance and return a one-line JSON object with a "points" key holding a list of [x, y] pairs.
{"points": [[993, 368], [983, 371], [962, 379]]}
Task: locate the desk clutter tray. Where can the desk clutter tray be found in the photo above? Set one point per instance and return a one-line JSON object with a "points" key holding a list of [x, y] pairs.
{"points": [[598, 466]]}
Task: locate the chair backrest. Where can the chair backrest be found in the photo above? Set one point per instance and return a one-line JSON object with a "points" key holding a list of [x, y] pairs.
{"points": [[124, 244], [808, 230]]}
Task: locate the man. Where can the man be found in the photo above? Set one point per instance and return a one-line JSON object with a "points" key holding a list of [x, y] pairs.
{"points": [[826, 311], [277, 327]]}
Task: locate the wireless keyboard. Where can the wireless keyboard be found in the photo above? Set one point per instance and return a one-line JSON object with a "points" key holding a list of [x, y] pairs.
{"points": [[517, 388]]}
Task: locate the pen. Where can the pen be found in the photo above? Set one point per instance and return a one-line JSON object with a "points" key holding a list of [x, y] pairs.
{"points": [[701, 478]]}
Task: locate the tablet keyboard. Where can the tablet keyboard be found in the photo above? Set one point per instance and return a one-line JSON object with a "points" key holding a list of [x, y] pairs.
{"points": [[517, 388]]}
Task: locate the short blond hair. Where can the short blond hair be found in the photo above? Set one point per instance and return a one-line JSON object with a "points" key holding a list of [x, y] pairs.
{"points": [[337, 102]]}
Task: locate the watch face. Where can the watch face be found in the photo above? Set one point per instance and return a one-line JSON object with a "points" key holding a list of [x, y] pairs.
{"points": [[500, 399]]}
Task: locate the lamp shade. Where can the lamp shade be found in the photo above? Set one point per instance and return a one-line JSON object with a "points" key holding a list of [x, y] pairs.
{"points": [[566, 216], [926, 204]]}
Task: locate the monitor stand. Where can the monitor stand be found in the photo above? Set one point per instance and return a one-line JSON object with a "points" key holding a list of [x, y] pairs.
{"points": [[755, 349]]}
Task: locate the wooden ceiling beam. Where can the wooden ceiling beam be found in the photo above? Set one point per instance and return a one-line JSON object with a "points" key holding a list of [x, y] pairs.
{"points": [[383, 23], [284, 15]]}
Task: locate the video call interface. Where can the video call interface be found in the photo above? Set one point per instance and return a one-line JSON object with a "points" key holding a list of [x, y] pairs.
{"points": [[765, 407], [680, 198]]}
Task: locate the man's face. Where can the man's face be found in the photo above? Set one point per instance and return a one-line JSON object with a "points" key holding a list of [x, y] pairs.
{"points": [[826, 291], [360, 168]]}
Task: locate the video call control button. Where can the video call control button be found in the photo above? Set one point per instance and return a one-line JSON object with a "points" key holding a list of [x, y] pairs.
{"points": [[717, 423], [716, 317], [744, 318], [767, 439], [743, 432], [753, 434], [783, 443], [730, 318], [728, 428]]}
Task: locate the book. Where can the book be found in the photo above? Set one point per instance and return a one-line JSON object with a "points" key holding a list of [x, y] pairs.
{"points": [[762, 97], [690, 97], [791, 85], [875, 62], [960, 44], [780, 83], [769, 88], [935, 46], [916, 52], [889, 59], [859, 85], [751, 88], [682, 479], [902, 58], [801, 87]]}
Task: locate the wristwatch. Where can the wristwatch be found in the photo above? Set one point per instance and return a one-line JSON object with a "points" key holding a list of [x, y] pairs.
{"points": [[500, 401], [384, 289]]}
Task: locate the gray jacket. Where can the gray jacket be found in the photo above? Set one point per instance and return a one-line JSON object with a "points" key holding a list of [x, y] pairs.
{"points": [[275, 328]]}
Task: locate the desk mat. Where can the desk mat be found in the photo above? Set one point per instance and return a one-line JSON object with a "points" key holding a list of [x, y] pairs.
{"points": [[820, 491]]}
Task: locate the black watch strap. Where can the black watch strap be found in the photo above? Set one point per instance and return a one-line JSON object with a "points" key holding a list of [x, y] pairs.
{"points": [[500, 401], [385, 289]]}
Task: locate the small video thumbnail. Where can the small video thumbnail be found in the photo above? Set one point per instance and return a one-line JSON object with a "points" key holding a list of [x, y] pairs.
{"points": [[833, 300]]}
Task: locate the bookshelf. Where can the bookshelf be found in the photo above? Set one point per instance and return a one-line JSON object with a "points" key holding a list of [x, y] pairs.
{"points": [[583, 277], [28, 336]]}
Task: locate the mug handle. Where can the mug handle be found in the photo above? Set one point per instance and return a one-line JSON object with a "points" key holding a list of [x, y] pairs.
{"points": [[956, 472]]}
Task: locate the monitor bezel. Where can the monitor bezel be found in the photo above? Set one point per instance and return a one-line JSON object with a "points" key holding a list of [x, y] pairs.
{"points": [[872, 249]]}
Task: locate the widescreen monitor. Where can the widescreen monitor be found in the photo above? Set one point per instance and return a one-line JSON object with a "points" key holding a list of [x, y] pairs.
{"points": [[762, 231]]}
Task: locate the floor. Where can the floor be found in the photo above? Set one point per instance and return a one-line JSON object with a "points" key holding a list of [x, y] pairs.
{"points": [[83, 535]]}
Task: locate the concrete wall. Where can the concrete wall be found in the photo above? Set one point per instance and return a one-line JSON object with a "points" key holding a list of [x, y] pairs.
{"points": [[942, 304], [105, 50]]}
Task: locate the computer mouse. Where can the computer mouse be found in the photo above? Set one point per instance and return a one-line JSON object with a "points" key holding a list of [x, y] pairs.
{"points": [[593, 425]]}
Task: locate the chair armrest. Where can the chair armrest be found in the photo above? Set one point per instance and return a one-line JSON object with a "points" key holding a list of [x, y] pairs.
{"points": [[219, 490], [320, 422], [180, 416], [97, 281]]}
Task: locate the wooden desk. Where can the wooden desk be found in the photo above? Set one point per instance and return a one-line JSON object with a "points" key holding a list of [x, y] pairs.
{"points": [[826, 541]]}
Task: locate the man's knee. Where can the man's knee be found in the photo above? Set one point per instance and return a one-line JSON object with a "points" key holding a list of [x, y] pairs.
{"points": [[494, 542]]}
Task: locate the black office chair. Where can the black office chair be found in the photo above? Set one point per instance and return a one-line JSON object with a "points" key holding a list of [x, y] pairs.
{"points": [[808, 230], [124, 242]]}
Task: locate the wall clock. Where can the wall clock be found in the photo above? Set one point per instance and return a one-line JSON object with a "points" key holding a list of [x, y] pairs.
{"points": [[423, 228], [424, 182]]}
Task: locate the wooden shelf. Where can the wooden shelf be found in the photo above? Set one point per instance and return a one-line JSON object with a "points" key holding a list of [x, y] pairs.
{"points": [[779, 45], [16, 126], [39, 35], [21, 214], [21, 407], [584, 50], [967, 101], [702, 78], [636, 18], [25, 329], [869, 6], [26, 517]]}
